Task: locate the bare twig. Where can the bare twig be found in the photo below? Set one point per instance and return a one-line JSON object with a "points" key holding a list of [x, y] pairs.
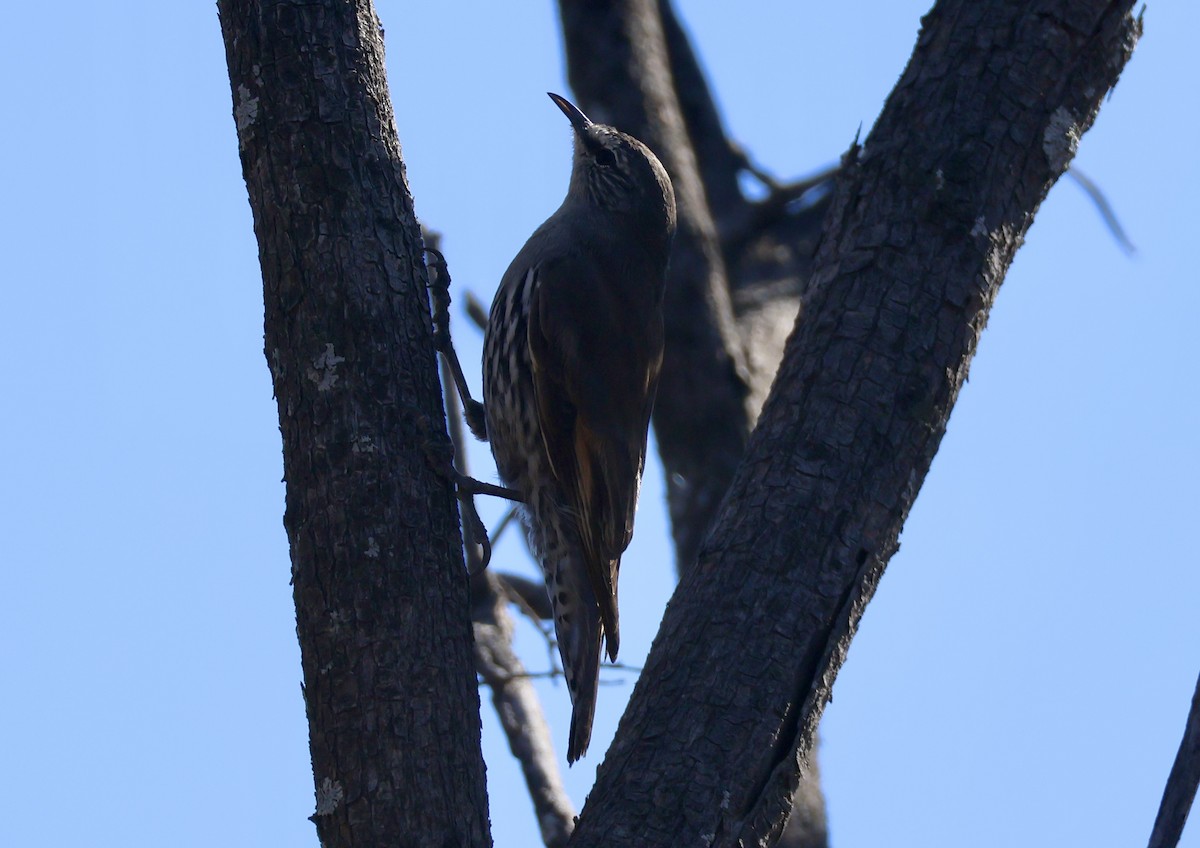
{"points": [[476, 311], [1181, 784], [520, 712], [529, 596], [1104, 208], [753, 218], [556, 673], [475, 538]]}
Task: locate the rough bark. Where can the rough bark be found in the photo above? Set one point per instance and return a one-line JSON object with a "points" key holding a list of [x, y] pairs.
{"points": [[924, 223], [380, 588], [1180, 791]]}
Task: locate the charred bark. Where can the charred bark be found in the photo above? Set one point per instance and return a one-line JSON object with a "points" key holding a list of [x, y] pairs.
{"points": [[382, 609]]}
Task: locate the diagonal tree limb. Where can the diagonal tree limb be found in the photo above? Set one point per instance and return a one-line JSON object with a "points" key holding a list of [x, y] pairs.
{"points": [[925, 221], [1180, 791], [767, 245]]}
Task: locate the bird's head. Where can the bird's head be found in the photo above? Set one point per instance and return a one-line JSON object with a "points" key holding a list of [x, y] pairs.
{"points": [[613, 171]]}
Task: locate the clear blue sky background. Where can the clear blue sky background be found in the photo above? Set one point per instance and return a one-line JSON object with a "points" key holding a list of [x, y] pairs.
{"points": [[1024, 672]]}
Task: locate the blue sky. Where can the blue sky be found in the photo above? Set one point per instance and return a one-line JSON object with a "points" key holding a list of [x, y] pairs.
{"points": [[1023, 674]]}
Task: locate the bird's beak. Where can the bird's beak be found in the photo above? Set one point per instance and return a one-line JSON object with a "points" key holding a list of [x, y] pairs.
{"points": [[578, 120]]}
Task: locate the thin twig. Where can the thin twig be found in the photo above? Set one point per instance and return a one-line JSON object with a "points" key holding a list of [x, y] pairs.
{"points": [[475, 538], [476, 311], [556, 673], [529, 596], [1104, 207], [780, 201], [520, 713]]}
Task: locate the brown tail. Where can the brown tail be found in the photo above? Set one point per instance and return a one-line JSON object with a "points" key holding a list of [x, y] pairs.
{"points": [[581, 659]]}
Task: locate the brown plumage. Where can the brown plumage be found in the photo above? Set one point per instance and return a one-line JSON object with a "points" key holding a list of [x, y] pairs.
{"points": [[571, 361]]}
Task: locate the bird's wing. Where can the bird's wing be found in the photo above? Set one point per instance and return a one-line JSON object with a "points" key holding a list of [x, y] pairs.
{"points": [[594, 377]]}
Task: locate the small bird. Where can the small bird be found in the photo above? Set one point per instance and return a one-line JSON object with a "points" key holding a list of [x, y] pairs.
{"points": [[571, 358]]}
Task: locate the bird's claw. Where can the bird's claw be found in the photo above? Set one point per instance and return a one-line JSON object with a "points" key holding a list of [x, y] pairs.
{"points": [[465, 489]]}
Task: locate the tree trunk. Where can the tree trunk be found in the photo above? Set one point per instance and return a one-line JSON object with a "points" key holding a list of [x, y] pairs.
{"points": [[380, 588]]}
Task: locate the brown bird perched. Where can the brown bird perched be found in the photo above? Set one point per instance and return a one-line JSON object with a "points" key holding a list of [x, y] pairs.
{"points": [[570, 365]]}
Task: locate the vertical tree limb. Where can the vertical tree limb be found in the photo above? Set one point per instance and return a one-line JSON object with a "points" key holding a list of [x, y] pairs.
{"points": [[380, 588], [618, 67]]}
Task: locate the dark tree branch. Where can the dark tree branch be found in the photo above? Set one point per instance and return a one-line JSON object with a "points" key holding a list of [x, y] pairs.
{"points": [[380, 588], [755, 218], [1181, 785], [618, 67], [767, 246], [719, 160], [924, 224]]}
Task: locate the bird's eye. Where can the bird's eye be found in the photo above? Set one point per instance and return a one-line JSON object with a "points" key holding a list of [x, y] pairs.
{"points": [[605, 158]]}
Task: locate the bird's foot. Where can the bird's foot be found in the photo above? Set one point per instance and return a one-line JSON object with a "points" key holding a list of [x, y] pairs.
{"points": [[466, 488]]}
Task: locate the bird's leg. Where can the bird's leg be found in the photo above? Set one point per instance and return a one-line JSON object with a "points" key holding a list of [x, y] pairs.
{"points": [[465, 490], [474, 534], [471, 486], [439, 290], [465, 486]]}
